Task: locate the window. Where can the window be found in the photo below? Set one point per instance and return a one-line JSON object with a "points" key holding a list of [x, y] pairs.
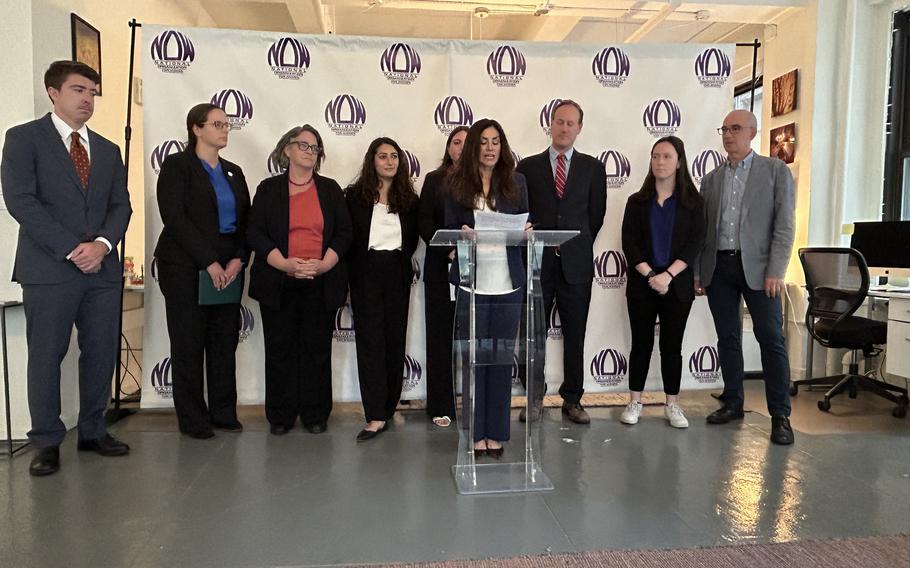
{"points": [[742, 96], [896, 194]]}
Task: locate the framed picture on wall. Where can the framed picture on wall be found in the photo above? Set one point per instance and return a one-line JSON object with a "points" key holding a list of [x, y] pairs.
{"points": [[86, 44], [783, 142], [783, 93]]}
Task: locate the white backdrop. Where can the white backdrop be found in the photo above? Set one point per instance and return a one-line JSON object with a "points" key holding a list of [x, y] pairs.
{"points": [[353, 89]]}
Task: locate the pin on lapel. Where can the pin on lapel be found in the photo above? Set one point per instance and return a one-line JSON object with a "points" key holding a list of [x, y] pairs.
{"points": [[231, 174]]}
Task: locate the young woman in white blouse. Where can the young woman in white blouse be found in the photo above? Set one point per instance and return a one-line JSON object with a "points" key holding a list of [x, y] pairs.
{"points": [[383, 207]]}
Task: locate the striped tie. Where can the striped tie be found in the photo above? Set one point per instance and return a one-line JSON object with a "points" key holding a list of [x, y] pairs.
{"points": [[80, 159], [560, 175]]}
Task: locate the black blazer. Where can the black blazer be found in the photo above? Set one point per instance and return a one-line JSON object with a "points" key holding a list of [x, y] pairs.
{"points": [[688, 239], [189, 209], [457, 215], [361, 219], [268, 229], [582, 208], [431, 218]]}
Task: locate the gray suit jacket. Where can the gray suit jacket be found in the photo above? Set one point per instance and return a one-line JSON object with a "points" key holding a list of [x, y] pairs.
{"points": [[44, 194], [766, 225]]}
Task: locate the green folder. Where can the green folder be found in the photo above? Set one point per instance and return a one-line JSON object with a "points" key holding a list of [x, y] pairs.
{"points": [[210, 296]]}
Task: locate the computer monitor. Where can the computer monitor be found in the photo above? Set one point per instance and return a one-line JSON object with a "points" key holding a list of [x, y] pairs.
{"points": [[885, 246]]}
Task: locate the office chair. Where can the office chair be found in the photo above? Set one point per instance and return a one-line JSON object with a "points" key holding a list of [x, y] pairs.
{"points": [[838, 281]]}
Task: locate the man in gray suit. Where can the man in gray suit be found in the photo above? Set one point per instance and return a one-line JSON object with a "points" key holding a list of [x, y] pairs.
{"points": [[749, 205], [66, 186]]}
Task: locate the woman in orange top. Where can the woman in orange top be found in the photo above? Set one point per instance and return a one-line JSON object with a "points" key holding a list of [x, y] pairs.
{"points": [[300, 230]]}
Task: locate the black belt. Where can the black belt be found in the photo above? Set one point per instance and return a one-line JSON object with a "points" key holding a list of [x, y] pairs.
{"points": [[729, 252]]}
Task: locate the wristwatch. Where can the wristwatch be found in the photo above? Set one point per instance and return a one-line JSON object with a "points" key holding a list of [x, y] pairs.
{"points": [[650, 275]]}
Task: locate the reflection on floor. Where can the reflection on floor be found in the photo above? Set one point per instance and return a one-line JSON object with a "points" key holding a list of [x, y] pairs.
{"points": [[253, 499]]}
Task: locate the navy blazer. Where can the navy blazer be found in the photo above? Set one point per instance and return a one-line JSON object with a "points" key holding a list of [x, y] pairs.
{"points": [[582, 209], [268, 229], [361, 220], [457, 215], [44, 194], [189, 209], [686, 242]]}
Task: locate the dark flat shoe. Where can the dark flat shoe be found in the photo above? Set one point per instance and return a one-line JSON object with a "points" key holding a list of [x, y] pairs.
{"points": [[234, 426], [199, 434], [316, 427], [480, 452], [496, 453], [279, 429], [365, 434], [106, 445], [46, 462]]}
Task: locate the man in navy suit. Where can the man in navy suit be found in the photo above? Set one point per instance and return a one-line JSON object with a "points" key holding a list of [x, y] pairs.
{"points": [[568, 191], [66, 186]]}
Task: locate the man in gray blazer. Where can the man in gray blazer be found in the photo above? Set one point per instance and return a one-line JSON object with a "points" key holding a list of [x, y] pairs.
{"points": [[66, 186], [749, 204]]}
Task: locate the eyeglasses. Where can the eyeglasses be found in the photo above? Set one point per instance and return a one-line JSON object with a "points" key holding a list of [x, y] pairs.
{"points": [[219, 125], [735, 129], [304, 146]]}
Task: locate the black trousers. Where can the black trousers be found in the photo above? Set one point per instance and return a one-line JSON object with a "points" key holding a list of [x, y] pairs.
{"points": [[203, 346], [298, 355], [643, 313], [572, 302], [92, 304], [379, 304], [440, 316]]}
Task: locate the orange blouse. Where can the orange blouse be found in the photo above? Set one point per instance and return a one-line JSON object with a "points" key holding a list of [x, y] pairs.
{"points": [[305, 225]]}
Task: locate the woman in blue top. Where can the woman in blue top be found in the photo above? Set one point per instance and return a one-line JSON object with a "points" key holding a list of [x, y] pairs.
{"points": [[203, 200], [663, 229]]}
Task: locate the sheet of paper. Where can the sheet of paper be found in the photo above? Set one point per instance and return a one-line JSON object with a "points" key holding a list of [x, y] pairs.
{"points": [[492, 221]]}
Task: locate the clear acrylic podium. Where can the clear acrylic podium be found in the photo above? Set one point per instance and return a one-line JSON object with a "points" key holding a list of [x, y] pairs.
{"points": [[499, 341]]}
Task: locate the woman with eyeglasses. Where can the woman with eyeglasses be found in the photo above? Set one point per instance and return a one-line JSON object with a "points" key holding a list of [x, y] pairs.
{"points": [[300, 231], [439, 306], [203, 200], [383, 208]]}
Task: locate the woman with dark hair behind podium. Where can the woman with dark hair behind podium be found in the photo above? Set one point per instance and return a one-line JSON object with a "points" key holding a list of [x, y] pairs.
{"points": [[439, 306], [484, 179]]}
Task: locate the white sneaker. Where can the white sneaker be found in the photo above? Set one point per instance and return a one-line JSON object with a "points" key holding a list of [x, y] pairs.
{"points": [[675, 415], [631, 413]]}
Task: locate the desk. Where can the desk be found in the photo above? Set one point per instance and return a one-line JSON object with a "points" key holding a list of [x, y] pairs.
{"points": [[9, 425], [898, 330]]}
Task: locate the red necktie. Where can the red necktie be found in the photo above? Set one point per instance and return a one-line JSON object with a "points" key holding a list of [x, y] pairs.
{"points": [[560, 175], [80, 159]]}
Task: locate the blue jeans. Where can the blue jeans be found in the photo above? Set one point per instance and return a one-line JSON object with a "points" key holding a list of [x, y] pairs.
{"points": [[728, 285]]}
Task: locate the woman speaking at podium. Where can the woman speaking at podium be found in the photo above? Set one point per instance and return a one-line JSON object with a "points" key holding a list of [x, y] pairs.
{"points": [[484, 179]]}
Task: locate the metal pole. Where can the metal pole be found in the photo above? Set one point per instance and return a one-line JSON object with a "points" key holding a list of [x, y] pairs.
{"points": [[117, 413]]}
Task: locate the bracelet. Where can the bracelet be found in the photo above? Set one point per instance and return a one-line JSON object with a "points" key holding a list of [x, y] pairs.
{"points": [[650, 275], [672, 276]]}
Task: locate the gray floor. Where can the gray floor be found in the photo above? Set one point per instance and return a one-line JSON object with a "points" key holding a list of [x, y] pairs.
{"points": [[253, 499]]}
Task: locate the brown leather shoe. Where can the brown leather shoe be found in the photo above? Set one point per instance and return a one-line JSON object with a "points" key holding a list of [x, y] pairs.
{"points": [[576, 413]]}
